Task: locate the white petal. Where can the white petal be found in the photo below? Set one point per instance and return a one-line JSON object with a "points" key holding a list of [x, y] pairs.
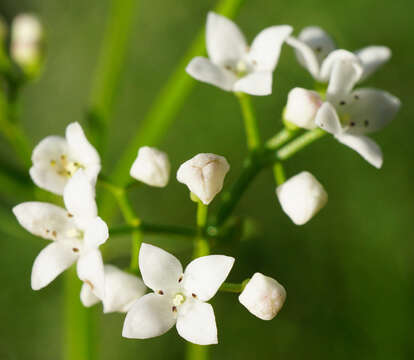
{"points": [[159, 269], [364, 146], [81, 149], [43, 173], [196, 323], [225, 42], [318, 40], [373, 57], [151, 167], [203, 276], [266, 47], [45, 220], [327, 119], [51, 262], [88, 298], [345, 74], [204, 70], [96, 233], [301, 107], [79, 198], [149, 316], [335, 56], [121, 289], [255, 83], [302, 197], [91, 271], [370, 110], [306, 56]]}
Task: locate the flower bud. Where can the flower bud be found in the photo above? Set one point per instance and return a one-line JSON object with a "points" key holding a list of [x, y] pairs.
{"points": [[301, 108], [263, 296], [204, 175], [301, 197], [152, 167], [27, 43]]}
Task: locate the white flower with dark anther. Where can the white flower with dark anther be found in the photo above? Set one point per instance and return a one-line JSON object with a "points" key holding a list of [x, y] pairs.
{"points": [[233, 65], [121, 291], [26, 40], [151, 167], [179, 296], [55, 159], [301, 197], [316, 51], [76, 232], [204, 175], [263, 296]]}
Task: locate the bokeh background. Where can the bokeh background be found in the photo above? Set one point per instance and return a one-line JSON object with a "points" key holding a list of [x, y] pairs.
{"points": [[349, 273]]}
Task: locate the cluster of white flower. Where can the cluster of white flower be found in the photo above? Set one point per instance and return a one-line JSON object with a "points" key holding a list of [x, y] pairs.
{"points": [[70, 167]]}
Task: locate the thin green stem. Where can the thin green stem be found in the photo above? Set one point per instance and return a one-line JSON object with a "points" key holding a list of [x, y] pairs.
{"points": [[148, 228], [279, 173], [201, 244], [299, 143], [233, 287], [250, 122], [79, 341], [280, 138], [110, 66]]}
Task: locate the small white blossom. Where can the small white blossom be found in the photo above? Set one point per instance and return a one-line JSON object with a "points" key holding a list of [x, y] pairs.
{"points": [[76, 232], [316, 51], [121, 291], [263, 296], [56, 159], [301, 197], [204, 175], [233, 65], [179, 296], [301, 107], [26, 40], [151, 166]]}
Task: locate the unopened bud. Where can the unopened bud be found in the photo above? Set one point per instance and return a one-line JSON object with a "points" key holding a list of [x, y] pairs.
{"points": [[263, 296]]}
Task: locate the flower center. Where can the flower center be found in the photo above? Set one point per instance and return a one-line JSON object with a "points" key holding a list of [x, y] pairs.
{"points": [[178, 299], [75, 234], [65, 167], [241, 68]]}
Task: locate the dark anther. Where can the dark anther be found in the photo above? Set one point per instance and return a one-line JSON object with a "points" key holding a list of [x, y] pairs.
{"points": [[366, 123], [318, 49], [228, 67], [352, 123], [75, 250], [342, 103], [47, 231], [161, 292], [54, 233], [70, 215], [193, 295], [174, 308], [180, 279]]}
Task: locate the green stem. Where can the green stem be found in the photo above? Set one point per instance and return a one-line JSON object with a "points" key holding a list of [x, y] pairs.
{"points": [[299, 143], [79, 341], [110, 67], [234, 288], [147, 228], [166, 105], [280, 138], [279, 173], [196, 352], [201, 244], [250, 122]]}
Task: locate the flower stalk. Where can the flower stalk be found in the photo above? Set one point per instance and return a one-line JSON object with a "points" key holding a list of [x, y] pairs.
{"points": [[250, 122]]}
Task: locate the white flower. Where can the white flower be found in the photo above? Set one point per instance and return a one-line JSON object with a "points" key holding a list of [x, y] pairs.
{"points": [[301, 107], [232, 64], [204, 175], [178, 298], [263, 296], [301, 197], [26, 40], [349, 114], [152, 167], [316, 51], [76, 232], [55, 159], [121, 291]]}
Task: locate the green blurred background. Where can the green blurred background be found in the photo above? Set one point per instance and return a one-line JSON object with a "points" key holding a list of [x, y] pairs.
{"points": [[348, 273]]}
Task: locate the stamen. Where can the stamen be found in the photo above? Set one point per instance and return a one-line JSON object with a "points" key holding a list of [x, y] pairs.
{"points": [[342, 102], [174, 309], [180, 279], [161, 292], [75, 250], [193, 295]]}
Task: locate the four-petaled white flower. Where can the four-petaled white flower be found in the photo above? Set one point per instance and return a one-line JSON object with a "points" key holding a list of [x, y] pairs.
{"points": [[151, 166], [263, 296], [121, 291], [178, 298], [232, 64], [316, 51], [301, 197], [55, 159], [76, 232], [204, 175]]}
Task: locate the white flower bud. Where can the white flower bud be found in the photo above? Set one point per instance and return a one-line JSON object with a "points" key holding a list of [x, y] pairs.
{"points": [[26, 42], [301, 107], [263, 296], [204, 175], [152, 167], [301, 197]]}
